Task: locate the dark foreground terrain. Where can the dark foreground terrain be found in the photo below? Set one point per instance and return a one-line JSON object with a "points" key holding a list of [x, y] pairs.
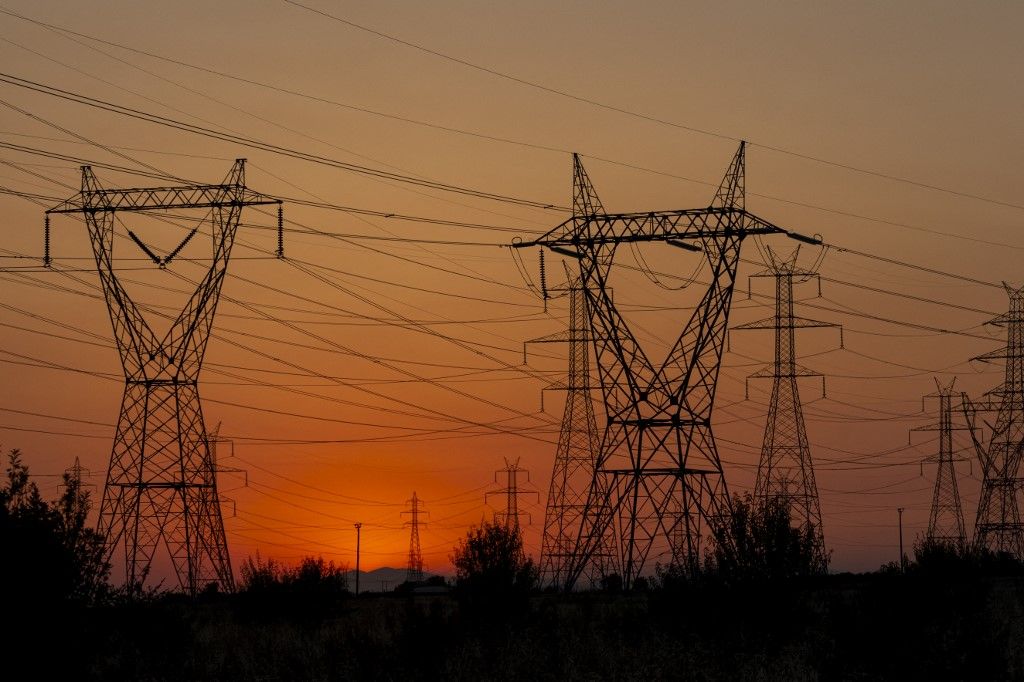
{"points": [[870, 627]]}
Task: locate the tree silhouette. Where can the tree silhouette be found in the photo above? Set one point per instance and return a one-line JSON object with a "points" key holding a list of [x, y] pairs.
{"points": [[51, 555], [759, 542], [493, 575]]}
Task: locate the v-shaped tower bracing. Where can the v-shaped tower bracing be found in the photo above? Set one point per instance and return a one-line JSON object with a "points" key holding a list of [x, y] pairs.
{"points": [[785, 473], [161, 486], [946, 518], [658, 483], [578, 444], [998, 526]]}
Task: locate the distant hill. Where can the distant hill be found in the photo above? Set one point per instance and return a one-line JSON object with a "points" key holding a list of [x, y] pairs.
{"points": [[382, 579]]}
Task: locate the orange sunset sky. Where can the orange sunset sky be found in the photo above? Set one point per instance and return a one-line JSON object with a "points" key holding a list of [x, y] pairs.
{"points": [[385, 356]]}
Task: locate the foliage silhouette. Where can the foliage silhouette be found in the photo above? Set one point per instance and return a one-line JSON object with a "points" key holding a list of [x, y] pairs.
{"points": [[758, 542], [611, 583], [313, 574], [52, 556], [311, 589], [937, 558], [493, 575]]}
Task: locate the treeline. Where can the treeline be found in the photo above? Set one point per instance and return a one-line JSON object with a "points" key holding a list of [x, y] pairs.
{"points": [[55, 557], [758, 607]]}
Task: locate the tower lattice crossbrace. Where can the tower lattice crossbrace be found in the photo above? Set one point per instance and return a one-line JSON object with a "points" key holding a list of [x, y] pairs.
{"points": [[511, 492], [946, 519], [161, 486], [785, 472], [414, 567], [658, 480], [578, 444], [998, 525]]}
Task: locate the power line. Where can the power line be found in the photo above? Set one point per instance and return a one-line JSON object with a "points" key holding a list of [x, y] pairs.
{"points": [[646, 117], [182, 126], [66, 32]]}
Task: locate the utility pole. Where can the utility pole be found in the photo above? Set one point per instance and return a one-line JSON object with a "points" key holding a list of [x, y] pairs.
{"points": [[510, 517], [785, 473], [903, 557], [414, 567], [359, 530], [998, 526], [946, 519], [659, 486], [161, 487]]}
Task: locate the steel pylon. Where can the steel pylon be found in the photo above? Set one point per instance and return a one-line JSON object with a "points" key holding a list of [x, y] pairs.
{"points": [[946, 519], [998, 526], [414, 566], [785, 472], [511, 492], [578, 444], [658, 479], [161, 486]]}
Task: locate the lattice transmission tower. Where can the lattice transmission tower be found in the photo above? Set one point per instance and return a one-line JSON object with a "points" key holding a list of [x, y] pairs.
{"points": [[76, 473], [161, 485], [578, 444], [74, 479], [998, 525], [785, 472], [414, 567], [946, 520], [658, 479], [512, 492]]}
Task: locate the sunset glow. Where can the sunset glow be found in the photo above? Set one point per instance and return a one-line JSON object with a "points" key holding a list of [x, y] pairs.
{"points": [[388, 352]]}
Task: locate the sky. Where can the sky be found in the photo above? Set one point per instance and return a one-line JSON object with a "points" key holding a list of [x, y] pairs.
{"points": [[359, 369]]}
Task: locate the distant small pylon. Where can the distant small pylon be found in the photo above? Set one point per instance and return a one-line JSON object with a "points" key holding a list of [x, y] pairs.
{"points": [[414, 568], [578, 445], [786, 471], [75, 473], [510, 517], [946, 520]]}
